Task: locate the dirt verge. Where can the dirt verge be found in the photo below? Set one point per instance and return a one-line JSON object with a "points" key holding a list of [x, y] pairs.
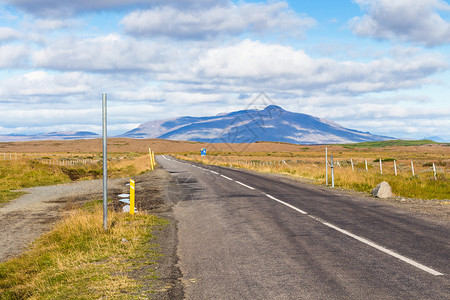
{"points": [[28, 217]]}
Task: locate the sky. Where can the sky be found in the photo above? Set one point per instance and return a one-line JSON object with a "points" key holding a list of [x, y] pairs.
{"points": [[373, 65]]}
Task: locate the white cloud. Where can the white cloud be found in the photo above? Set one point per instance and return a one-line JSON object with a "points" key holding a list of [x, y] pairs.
{"points": [[218, 20], [62, 8], [51, 24], [9, 34], [13, 56], [408, 20], [42, 85], [110, 53], [253, 63]]}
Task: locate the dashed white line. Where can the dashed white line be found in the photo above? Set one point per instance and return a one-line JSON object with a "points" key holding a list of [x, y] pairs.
{"points": [[287, 204], [226, 177], [243, 184], [356, 237], [382, 249]]}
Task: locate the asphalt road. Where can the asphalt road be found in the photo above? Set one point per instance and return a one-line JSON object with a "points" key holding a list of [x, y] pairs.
{"points": [[244, 235]]}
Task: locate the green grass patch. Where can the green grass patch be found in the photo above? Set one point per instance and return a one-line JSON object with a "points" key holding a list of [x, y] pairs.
{"points": [[15, 175], [19, 174], [390, 143], [79, 260]]}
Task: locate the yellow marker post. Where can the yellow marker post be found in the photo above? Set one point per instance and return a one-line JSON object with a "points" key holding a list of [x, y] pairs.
{"points": [[151, 158], [132, 188]]}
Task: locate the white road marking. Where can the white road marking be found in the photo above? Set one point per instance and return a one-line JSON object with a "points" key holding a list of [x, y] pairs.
{"points": [[287, 204], [356, 237], [243, 184], [378, 247]]}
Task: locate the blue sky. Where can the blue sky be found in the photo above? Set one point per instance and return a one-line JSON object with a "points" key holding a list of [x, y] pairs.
{"points": [[373, 65]]}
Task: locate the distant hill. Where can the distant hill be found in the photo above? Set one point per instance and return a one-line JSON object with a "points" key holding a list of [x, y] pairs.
{"points": [[66, 135], [272, 124], [436, 139]]}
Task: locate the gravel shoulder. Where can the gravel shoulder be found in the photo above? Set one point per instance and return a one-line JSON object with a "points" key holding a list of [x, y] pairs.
{"points": [[28, 217]]}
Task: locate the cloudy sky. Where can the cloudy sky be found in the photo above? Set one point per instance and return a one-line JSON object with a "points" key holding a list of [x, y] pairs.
{"points": [[373, 65]]}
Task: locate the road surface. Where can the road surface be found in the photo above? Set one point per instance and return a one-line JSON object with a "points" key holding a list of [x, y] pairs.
{"points": [[244, 235]]}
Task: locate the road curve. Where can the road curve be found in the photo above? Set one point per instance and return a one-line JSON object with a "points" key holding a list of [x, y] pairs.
{"points": [[244, 235]]}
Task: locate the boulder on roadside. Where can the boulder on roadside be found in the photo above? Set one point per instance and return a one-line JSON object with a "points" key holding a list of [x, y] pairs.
{"points": [[382, 190]]}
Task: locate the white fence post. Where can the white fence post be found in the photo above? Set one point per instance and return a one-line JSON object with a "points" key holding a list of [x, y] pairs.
{"points": [[434, 171], [395, 167], [412, 168], [351, 161], [381, 168], [366, 166]]}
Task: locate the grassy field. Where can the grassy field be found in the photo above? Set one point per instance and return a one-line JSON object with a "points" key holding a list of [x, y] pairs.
{"points": [[79, 260], [30, 170], [306, 161]]}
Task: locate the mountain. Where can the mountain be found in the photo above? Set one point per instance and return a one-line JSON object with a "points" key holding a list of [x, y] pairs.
{"points": [[246, 126], [63, 135], [436, 139]]}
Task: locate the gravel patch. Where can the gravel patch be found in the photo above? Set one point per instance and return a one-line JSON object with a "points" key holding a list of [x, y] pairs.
{"points": [[28, 217]]}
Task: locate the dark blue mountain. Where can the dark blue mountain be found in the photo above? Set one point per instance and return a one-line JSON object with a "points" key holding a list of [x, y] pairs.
{"points": [[66, 135], [246, 126]]}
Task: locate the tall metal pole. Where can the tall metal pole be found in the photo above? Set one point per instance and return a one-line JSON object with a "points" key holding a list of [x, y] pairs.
{"points": [[326, 166], [105, 168]]}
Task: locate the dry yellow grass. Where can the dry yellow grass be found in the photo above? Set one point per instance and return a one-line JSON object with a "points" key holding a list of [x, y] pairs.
{"points": [[296, 160], [78, 259], [310, 164]]}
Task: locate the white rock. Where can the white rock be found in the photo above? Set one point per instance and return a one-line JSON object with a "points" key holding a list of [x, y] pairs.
{"points": [[382, 190]]}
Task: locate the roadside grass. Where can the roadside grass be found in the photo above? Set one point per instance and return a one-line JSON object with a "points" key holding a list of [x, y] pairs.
{"points": [[392, 143], [311, 165], [31, 172], [15, 175], [79, 260]]}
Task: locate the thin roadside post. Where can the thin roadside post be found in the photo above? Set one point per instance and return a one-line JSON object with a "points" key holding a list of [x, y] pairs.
{"points": [[326, 166], [434, 172], [105, 166], [395, 167], [381, 168], [151, 158], [132, 191], [332, 170]]}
